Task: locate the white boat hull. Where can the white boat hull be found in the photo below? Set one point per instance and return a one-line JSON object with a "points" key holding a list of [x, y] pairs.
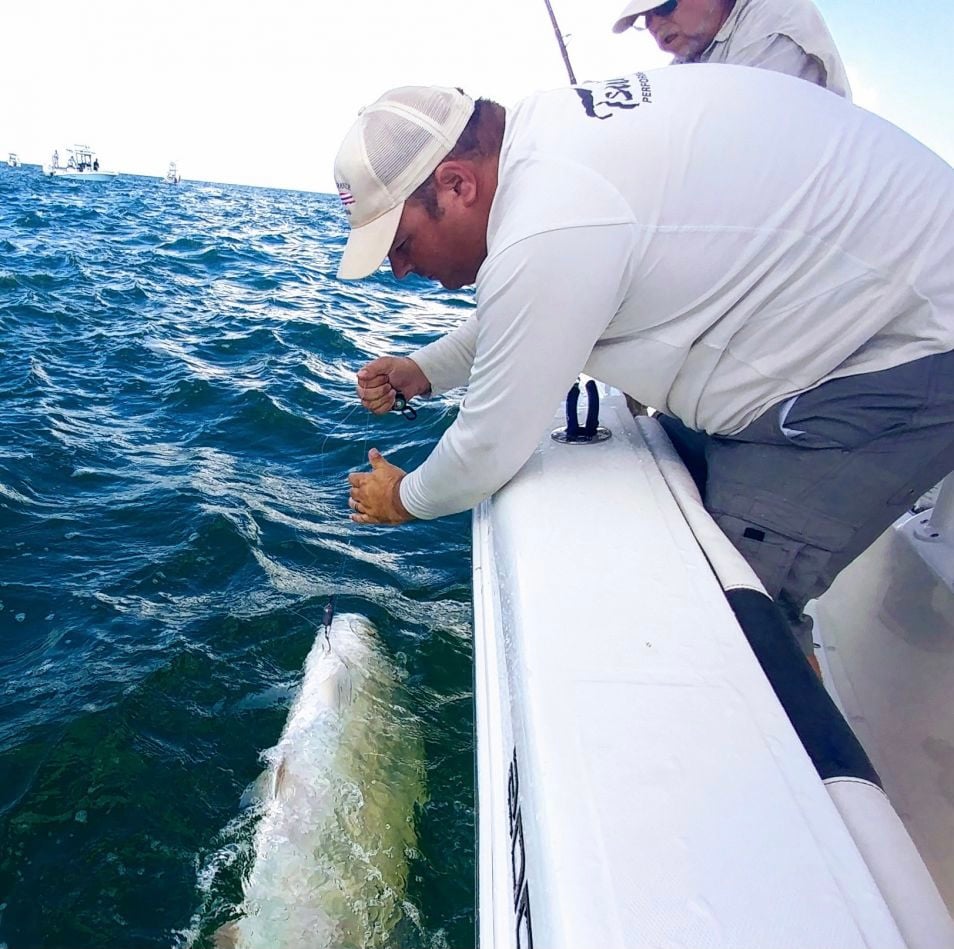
{"points": [[640, 782], [79, 175]]}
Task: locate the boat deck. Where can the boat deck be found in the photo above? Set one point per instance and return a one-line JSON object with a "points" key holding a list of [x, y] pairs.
{"points": [[886, 632]]}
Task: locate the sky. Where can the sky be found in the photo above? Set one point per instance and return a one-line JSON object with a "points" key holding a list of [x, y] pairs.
{"points": [[263, 93]]}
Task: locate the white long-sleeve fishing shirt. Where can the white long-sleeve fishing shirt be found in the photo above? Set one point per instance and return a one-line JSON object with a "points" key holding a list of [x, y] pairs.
{"points": [[711, 240]]}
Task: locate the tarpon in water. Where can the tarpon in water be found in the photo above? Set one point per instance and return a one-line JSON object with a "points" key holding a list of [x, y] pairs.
{"points": [[337, 807]]}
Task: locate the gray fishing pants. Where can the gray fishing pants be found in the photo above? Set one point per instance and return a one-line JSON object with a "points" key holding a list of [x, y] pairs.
{"points": [[811, 483]]}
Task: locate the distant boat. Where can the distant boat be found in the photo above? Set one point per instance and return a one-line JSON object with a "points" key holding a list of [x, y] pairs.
{"points": [[13, 161], [81, 162], [172, 175]]}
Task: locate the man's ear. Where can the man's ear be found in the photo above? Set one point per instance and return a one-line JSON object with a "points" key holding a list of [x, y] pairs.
{"points": [[458, 179]]}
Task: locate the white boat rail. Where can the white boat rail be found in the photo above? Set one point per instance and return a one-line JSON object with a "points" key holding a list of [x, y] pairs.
{"points": [[641, 782]]}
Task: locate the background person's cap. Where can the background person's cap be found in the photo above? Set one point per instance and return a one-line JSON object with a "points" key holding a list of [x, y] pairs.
{"points": [[388, 152], [632, 10]]}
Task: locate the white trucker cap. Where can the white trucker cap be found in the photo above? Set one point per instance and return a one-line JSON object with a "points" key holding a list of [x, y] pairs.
{"points": [[632, 10], [389, 151]]}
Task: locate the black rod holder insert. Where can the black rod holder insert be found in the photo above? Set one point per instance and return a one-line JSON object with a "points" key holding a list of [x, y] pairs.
{"points": [[591, 431]]}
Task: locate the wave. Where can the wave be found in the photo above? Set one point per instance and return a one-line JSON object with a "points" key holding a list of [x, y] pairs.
{"points": [[178, 422]]}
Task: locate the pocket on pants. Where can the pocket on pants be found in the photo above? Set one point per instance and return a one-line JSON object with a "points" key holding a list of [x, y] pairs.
{"points": [[770, 554]]}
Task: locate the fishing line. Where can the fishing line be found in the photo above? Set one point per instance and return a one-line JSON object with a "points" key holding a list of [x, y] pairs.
{"points": [[408, 412], [328, 614]]}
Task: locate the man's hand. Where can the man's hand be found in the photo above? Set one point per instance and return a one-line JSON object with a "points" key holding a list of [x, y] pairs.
{"points": [[376, 494], [381, 378]]}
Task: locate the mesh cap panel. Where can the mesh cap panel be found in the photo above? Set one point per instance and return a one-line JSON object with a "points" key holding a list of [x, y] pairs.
{"points": [[392, 141], [436, 107]]}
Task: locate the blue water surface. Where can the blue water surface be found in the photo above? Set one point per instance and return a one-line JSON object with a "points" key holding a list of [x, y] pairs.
{"points": [[178, 421]]}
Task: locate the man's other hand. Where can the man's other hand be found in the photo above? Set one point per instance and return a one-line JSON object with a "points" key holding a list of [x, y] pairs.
{"points": [[376, 494]]}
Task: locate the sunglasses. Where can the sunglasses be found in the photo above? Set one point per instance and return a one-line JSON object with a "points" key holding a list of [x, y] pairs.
{"points": [[664, 9]]}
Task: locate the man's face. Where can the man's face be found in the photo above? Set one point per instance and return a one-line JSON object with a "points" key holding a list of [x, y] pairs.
{"points": [[687, 27], [448, 248]]}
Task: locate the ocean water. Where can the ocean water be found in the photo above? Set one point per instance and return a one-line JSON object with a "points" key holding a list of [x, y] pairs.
{"points": [[177, 422]]}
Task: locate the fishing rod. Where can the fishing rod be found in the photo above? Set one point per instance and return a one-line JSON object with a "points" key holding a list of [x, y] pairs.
{"points": [[561, 43]]}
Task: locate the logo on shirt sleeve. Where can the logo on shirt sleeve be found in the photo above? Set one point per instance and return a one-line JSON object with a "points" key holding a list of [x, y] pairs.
{"points": [[602, 100]]}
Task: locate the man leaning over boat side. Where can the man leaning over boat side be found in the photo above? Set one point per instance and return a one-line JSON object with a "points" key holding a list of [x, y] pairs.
{"points": [[787, 36], [761, 260]]}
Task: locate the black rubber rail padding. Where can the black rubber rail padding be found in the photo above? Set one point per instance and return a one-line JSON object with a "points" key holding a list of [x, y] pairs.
{"points": [[827, 737]]}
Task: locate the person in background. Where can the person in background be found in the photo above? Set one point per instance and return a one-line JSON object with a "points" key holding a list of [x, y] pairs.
{"points": [[704, 238], [787, 36]]}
